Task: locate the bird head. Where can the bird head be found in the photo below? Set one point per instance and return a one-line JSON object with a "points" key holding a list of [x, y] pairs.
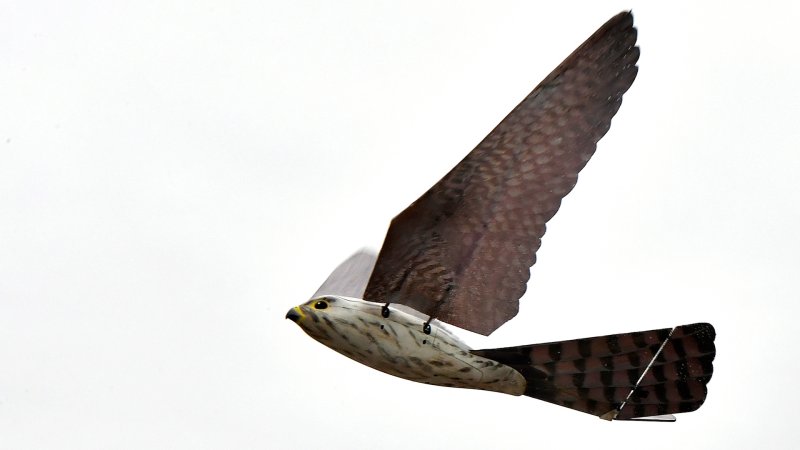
{"points": [[342, 323]]}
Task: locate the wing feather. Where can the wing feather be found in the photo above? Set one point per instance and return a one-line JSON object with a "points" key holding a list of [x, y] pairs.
{"points": [[462, 252], [350, 277]]}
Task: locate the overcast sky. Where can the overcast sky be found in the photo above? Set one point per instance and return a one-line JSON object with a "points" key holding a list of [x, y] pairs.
{"points": [[174, 176]]}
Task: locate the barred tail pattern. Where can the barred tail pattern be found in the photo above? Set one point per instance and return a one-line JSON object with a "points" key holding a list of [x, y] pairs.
{"points": [[619, 376]]}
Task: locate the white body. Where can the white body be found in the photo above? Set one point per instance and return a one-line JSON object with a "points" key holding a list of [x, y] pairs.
{"points": [[398, 346]]}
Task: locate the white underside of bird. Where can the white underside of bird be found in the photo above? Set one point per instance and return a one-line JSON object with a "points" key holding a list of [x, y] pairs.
{"points": [[398, 345]]}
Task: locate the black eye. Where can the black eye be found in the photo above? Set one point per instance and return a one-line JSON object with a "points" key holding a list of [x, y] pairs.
{"points": [[320, 305]]}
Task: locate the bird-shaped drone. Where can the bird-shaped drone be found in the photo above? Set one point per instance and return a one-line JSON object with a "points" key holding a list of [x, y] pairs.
{"points": [[461, 254]]}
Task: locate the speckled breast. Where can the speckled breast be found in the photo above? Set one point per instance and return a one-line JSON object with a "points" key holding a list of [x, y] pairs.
{"points": [[398, 346]]}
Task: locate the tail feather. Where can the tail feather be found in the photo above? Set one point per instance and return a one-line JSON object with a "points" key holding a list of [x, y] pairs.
{"points": [[619, 376]]}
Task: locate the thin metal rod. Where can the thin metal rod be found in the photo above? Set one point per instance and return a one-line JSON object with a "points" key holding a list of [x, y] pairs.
{"points": [[649, 365]]}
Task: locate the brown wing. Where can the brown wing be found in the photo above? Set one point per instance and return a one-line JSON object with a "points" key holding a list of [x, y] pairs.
{"points": [[462, 252], [350, 277], [619, 376]]}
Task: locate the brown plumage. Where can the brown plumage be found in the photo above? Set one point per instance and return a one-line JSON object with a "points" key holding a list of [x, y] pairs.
{"points": [[462, 252], [598, 375]]}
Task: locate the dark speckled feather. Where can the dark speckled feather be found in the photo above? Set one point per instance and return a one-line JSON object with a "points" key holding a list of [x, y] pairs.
{"points": [[600, 374], [463, 251]]}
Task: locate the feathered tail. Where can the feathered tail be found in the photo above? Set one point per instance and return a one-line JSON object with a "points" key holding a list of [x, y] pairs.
{"points": [[619, 376]]}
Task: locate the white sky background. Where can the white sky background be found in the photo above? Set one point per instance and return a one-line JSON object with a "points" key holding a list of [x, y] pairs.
{"points": [[174, 176]]}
